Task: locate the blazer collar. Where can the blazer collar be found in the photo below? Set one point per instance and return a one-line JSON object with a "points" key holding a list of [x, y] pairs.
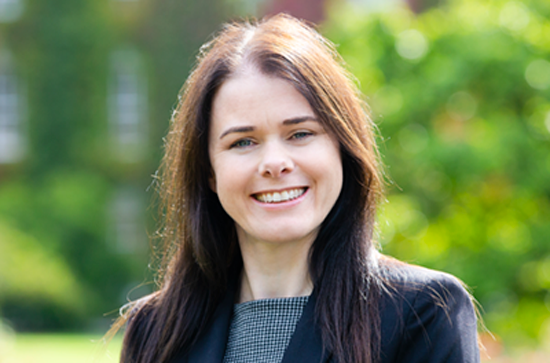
{"points": [[210, 347], [305, 346]]}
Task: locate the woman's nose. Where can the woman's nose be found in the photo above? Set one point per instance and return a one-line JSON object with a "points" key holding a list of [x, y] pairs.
{"points": [[276, 161]]}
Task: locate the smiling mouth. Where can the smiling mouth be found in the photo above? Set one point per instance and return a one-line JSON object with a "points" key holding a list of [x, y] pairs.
{"points": [[280, 197]]}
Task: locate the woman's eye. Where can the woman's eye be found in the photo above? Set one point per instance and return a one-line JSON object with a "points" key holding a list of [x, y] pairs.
{"points": [[301, 135], [242, 143]]}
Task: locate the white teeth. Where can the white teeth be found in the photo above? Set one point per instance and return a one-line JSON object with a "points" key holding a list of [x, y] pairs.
{"points": [[277, 197]]}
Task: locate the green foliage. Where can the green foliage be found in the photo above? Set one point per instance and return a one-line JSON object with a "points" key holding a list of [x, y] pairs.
{"points": [[28, 270], [461, 94], [56, 267], [32, 275]]}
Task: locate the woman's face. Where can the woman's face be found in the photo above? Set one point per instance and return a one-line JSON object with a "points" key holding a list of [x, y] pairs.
{"points": [[276, 170]]}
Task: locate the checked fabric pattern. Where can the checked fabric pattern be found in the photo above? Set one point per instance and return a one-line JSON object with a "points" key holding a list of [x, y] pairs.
{"points": [[261, 329]]}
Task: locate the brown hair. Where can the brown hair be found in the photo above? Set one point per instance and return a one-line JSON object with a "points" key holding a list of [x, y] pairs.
{"points": [[201, 255]]}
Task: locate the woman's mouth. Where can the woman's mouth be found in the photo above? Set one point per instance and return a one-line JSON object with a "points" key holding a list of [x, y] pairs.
{"points": [[280, 197]]}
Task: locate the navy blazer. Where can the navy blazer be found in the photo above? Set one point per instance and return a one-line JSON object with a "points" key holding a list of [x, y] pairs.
{"points": [[427, 316]]}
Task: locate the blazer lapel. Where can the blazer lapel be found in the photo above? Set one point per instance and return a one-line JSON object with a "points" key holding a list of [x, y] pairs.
{"points": [[306, 345], [210, 348]]}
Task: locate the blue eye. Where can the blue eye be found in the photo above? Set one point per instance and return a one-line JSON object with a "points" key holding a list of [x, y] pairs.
{"points": [[301, 135], [242, 143]]}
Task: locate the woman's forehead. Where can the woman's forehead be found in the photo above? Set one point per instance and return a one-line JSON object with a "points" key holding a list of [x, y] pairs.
{"points": [[250, 97]]}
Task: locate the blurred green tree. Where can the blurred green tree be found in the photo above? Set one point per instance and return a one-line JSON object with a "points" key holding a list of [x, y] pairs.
{"points": [[461, 96]]}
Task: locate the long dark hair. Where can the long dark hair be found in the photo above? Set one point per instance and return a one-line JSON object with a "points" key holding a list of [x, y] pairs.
{"points": [[201, 256]]}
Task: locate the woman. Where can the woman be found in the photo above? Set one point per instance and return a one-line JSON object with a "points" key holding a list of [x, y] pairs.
{"points": [[270, 186]]}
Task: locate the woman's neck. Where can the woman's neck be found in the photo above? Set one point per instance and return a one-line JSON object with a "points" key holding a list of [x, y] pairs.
{"points": [[274, 270]]}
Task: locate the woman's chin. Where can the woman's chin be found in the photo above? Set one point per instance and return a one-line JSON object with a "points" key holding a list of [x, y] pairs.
{"points": [[284, 233]]}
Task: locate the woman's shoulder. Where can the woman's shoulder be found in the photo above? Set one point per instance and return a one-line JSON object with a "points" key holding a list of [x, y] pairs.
{"points": [[406, 276], [427, 315], [411, 286], [415, 284]]}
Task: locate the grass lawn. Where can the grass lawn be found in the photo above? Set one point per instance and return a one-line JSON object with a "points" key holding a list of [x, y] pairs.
{"points": [[58, 348]]}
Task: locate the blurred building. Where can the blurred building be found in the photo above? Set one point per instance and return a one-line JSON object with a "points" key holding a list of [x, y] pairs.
{"points": [[87, 90]]}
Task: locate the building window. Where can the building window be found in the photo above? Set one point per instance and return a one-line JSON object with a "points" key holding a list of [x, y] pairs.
{"points": [[128, 107], [10, 10], [12, 141], [127, 233]]}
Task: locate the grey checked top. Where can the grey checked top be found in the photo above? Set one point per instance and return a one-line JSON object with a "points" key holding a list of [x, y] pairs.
{"points": [[261, 329]]}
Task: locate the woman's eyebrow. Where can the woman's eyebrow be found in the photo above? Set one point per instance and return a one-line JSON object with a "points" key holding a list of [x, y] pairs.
{"points": [[239, 129], [297, 120]]}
